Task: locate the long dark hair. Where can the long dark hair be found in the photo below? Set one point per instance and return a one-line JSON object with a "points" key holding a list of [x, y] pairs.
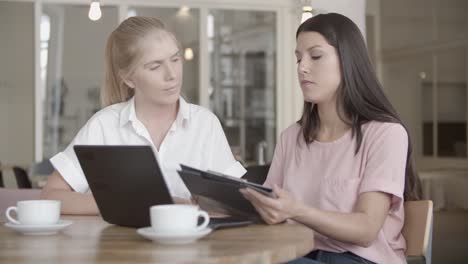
{"points": [[360, 97]]}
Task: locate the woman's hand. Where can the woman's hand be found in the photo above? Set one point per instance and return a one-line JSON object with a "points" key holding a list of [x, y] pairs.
{"points": [[272, 210]]}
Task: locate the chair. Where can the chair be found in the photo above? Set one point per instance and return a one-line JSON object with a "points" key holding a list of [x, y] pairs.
{"points": [[257, 174], [1, 177], [417, 231], [44, 167], [22, 178]]}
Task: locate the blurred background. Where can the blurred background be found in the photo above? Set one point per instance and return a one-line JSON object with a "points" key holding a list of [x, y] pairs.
{"points": [[239, 62]]}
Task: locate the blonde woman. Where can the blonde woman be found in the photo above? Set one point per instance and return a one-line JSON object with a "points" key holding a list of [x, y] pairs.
{"points": [[142, 105]]}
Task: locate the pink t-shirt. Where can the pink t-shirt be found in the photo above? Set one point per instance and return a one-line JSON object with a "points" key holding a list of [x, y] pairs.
{"points": [[329, 176]]}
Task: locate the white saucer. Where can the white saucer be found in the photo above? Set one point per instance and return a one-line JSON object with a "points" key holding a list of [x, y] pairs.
{"points": [[172, 238], [39, 229]]}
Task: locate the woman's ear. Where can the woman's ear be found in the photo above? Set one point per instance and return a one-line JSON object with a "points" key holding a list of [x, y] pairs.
{"points": [[129, 82]]}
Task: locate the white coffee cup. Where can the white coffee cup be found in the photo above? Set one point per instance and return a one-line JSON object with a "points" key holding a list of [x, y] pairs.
{"points": [[35, 212], [177, 218]]}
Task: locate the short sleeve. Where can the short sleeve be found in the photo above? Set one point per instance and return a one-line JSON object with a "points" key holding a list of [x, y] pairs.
{"points": [[221, 158], [275, 174], [66, 162], [386, 162]]}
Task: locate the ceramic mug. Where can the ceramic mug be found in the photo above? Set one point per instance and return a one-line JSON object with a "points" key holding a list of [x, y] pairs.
{"points": [[177, 218], [34, 212]]}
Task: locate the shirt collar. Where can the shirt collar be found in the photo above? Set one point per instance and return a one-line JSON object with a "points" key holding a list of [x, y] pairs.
{"points": [[128, 113], [183, 116], [184, 110]]}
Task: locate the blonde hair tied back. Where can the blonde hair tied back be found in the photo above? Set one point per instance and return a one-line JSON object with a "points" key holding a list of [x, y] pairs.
{"points": [[122, 54]]}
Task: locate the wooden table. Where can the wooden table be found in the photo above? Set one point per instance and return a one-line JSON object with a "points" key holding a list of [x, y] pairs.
{"points": [[91, 240]]}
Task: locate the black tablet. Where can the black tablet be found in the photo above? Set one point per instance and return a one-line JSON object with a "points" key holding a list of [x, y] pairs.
{"points": [[213, 191], [241, 183]]}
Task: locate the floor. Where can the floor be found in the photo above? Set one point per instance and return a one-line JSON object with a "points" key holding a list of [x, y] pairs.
{"points": [[450, 237]]}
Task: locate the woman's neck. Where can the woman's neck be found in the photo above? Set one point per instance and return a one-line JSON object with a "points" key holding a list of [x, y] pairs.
{"points": [[151, 113], [331, 125]]}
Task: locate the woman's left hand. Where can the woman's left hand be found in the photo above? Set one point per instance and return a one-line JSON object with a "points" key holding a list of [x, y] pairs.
{"points": [[273, 210]]}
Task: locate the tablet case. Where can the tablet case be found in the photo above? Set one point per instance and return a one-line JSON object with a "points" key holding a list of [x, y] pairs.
{"points": [[214, 190]]}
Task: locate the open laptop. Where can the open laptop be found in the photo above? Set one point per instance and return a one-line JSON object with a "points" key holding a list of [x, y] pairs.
{"points": [[126, 181]]}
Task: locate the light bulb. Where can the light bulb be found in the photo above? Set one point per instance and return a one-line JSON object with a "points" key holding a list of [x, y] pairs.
{"points": [[422, 75], [306, 13], [184, 12], [185, 9], [94, 11], [131, 12], [188, 54]]}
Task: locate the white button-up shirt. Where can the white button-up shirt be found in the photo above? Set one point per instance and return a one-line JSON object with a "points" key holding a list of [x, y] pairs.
{"points": [[196, 138]]}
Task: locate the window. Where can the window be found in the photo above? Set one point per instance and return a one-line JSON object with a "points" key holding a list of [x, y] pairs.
{"points": [[242, 80], [425, 74], [44, 50], [72, 63]]}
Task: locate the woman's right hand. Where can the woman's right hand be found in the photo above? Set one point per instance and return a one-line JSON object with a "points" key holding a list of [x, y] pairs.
{"points": [[73, 203]]}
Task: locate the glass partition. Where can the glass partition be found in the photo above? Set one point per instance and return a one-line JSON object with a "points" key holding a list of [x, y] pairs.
{"points": [[72, 69], [242, 49], [242, 57]]}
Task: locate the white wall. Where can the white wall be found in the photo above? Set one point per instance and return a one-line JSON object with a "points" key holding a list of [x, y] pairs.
{"points": [[16, 84]]}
